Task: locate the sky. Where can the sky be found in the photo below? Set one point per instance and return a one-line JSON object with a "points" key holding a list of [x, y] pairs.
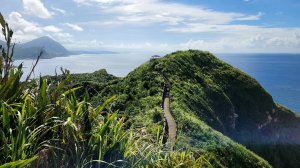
{"points": [[162, 26]]}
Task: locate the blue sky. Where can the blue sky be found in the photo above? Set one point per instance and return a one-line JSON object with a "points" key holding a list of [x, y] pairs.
{"points": [[160, 25]]}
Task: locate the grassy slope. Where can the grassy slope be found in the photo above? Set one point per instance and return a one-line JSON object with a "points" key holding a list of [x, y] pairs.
{"points": [[207, 95], [234, 103], [193, 99]]}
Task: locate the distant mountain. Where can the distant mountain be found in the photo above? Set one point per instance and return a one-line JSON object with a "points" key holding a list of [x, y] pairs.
{"points": [[31, 49], [50, 48], [47, 44]]}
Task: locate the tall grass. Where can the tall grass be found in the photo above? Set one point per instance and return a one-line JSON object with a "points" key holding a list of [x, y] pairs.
{"points": [[44, 124]]}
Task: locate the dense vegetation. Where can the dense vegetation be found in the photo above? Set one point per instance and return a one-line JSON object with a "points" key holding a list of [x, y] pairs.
{"points": [[44, 124], [234, 103], [98, 120], [139, 98], [207, 95]]}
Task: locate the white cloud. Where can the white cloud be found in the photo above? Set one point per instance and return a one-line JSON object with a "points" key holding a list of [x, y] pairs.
{"points": [[133, 47], [181, 18], [52, 29], [236, 31], [102, 23], [202, 28], [59, 10], [82, 44], [19, 23], [74, 26], [90, 2], [82, 2], [251, 39], [242, 38], [222, 34], [61, 36], [23, 29], [156, 11], [259, 40], [252, 17], [36, 8]]}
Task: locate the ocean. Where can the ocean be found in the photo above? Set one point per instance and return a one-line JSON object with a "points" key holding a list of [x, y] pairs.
{"points": [[279, 74]]}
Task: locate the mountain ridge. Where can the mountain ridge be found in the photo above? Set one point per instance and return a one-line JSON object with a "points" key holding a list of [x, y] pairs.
{"points": [[50, 48], [48, 44], [33, 48], [145, 111], [208, 94]]}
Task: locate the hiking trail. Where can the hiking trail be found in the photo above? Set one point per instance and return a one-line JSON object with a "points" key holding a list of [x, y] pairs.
{"points": [[171, 126]]}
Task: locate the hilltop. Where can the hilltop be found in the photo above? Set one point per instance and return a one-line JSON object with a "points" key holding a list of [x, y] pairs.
{"points": [[214, 104]]}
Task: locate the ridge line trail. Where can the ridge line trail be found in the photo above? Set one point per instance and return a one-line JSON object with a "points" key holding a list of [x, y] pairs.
{"points": [[171, 124]]}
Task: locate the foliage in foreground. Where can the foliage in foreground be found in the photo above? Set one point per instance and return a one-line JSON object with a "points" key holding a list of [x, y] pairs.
{"points": [[44, 124]]}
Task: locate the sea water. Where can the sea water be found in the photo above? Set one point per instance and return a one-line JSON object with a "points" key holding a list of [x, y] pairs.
{"points": [[279, 74]]}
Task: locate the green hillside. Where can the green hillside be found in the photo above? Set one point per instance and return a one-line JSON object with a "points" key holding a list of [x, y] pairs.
{"points": [[98, 120], [209, 99], [50, 122]]}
